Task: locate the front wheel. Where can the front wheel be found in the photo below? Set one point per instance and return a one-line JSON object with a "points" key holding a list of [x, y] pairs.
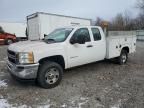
{"points": [[49, 75], [122, 59]]}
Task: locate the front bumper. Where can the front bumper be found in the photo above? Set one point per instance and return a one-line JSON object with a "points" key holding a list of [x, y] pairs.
{"points": [[23, 71], [2, 41]]}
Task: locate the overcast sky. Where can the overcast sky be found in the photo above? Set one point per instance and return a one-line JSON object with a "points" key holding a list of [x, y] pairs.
{"points": [[17, 10]]}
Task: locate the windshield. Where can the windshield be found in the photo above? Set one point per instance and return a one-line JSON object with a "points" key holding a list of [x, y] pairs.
{"points": [[58, 35]]}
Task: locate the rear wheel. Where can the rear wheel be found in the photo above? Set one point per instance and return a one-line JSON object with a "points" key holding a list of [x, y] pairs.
{"points": [[122, 59], [9, 41], [49, 75]]}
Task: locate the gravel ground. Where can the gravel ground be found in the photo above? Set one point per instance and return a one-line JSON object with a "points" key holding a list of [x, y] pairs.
{"points": [[98, 85]]}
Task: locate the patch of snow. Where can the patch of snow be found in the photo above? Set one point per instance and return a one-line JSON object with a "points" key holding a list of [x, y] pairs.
{"points": [[4, 103], [3, 83], [117, 105], [78, 102], [2, 61], [18, 106], [116, 85], [84, 101], [97, 105], [5, 58], [23, 106], [47, 104], [107, 89], [3, 73], [1, 97], [75, 102], [64, 106], [44, 106], [36, 99]]}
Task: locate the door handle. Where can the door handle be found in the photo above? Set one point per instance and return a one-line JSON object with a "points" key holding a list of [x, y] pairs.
{"points": [[89, 46]]}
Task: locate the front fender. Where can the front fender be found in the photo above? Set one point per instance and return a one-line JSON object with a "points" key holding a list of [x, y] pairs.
{"points": [[38, 55]]}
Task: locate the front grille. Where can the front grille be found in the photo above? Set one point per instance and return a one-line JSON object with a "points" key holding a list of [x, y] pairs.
{"points": [[11, 52], [12, 56]]}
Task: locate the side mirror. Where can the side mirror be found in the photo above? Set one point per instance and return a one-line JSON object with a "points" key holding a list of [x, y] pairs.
{"points": [[45, 35], [73, 41]]}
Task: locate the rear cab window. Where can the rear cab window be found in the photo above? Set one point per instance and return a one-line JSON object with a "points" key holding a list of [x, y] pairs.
{"points": [[96, 34]]}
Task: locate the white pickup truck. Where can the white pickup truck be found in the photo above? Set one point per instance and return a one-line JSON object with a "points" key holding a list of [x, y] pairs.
{"points": [[64, 48]]}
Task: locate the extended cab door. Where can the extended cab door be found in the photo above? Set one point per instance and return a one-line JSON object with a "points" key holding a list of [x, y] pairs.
{"points": [[98, 44]]}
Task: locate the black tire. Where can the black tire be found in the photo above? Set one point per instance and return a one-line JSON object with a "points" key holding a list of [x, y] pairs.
{"points": [[8, 41], [122, 59], [42, 77]]}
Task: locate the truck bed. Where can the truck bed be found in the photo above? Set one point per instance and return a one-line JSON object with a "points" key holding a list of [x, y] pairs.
{"points": [[118, 40]]}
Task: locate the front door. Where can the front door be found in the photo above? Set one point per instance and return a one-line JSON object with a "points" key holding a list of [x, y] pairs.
{"points": [[79, 54]]}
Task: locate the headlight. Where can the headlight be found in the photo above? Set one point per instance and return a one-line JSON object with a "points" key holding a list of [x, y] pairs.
{"points": [[25, 57]]}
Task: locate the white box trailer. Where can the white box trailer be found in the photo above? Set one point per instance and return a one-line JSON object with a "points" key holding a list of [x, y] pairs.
{"points": [[40, 23], [19, 29]]}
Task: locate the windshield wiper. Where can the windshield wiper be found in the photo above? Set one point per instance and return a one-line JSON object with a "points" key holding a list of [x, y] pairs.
{"points": [[49, 40]]}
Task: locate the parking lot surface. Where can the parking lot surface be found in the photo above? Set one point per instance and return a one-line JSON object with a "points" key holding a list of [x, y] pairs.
{"points": [[102, 84]]}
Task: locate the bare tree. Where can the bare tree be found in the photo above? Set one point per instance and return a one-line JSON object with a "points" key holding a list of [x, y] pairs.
{"points": [[98, 21], [124, 21], [1, 30], [139, 21], [117, 23], [140, 4], [128, 20]]}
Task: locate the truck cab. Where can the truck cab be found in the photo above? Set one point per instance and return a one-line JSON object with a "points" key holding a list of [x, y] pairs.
{"points": [[65, 48], [84, 44]]}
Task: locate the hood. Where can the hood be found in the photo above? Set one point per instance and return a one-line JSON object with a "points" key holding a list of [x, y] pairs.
{"points": [[28, 46]]}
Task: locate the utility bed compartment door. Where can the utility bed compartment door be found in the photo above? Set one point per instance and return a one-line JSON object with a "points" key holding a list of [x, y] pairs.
{"points": [[133, 44], [116, 43], [113, 47]]}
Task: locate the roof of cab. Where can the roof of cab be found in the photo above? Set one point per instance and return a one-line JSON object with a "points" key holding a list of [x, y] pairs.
{"points": [[81, 26]]}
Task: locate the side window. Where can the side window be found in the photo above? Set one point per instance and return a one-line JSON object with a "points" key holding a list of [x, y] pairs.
{"points": [[96, 34], [82, 32]]}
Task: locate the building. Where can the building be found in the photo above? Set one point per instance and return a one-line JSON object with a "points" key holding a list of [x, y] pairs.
{"points": [[19, 29], [140, 35]]}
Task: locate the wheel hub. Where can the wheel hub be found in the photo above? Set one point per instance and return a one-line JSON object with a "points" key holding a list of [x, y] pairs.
{"points": [[9, 41], [124, 58], [52, 75]]}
